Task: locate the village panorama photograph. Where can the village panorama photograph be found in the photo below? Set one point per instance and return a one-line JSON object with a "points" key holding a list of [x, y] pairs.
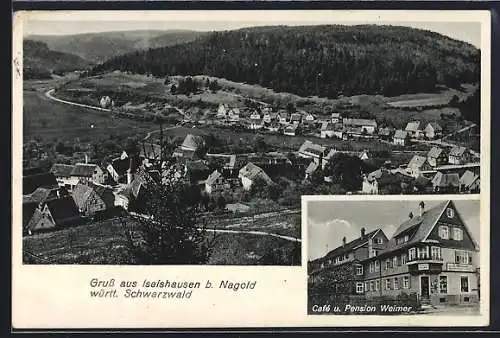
{"points": [[399, 257], [192, 142]]}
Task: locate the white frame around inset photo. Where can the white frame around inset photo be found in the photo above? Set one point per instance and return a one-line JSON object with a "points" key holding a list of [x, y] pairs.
{"points": [[325, 220]]}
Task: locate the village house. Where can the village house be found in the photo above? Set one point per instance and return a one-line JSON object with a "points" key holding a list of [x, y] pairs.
{"points": [[130, 197], [312, 150], [414, 129], [216, 183], [273, 127], [311, 169], [267, 118], [255, 116], [417, 165], [458, 155], [469, 182], [336, 118], [250, 174], [365, 126], [41, 195], [89, 172], [309, 118], [282, 117], [431, 255], [256, 125], [433, 130], [329, 130], [437, 156], [290, 130], [446, 183], [117, 169], [91, 198], [44, 180], [62, 172], [385, 133], [53, 214], [296, 118], [196, 171], [369, 185], [149, 153], [342, 270], [400, 138], [222, 110], [189, 146]]}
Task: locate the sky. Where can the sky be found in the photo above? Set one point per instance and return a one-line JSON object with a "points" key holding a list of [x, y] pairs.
{"points": [[468, 31], [329, 221]]}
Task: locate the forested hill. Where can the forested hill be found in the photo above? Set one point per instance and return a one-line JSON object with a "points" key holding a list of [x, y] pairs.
{"points": [[317, 60], [40, 62]]}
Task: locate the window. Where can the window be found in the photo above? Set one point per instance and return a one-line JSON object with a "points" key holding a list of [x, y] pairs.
{"points": [[458, 234], [370, 267], [403, 259], [463, 257], [423, 252], [388, 264], [366, 286], [444, 232], [359, 270], [387, 284], [359, 287], [378, 240], [464, 284], [450, 213], [443, 284], [373, 253], [436, 253], [396, 283], [406, 238], [395, 261], [377, 285], [371, 286], [377, 266], [412, 254], [406, 282]]}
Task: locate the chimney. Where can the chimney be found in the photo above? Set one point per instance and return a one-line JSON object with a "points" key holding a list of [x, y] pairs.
{"points": [[421, 207], [343, 241], [410, 215], [363, 231], [130, 171]]}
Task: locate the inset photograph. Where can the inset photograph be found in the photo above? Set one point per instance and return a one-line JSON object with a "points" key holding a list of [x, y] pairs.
{"points": [[393, 257]]}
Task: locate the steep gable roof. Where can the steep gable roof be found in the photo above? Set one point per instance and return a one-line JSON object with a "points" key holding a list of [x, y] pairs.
{"points": [[28, 211], [150, 151], [468, 178], [120, 166], [400, 134], [413, 126], [212, 178], [457, 151], [417, 161], [352, 244], [425, 223], [446, 180], [309, 147], [434, 125], [359, 122], [62, 208], [435, 152], [312, 167], [32, 182], [83, 169], [251, 171]]}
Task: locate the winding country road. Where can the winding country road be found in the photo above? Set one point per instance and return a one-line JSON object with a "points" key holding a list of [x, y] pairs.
{"points": [[49, 95]]}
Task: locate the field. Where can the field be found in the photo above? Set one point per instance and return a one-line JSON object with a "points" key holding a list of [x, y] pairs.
{"points": [[50, 121], [105, 243]]}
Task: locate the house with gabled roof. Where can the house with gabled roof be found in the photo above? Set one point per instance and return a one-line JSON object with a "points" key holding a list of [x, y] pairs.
{"points": [[91, 198], [437, 156], [459, 155], [89, 172], [309, 149], [469, 182], [417, 165], [53, 214], [433, 130], [250, 174], [62, 172], [44, 180], [290, 130], [414, 129], [368, 126], [446, 182], [329, 129], [216, 183], [400, 137], [431, 254]]}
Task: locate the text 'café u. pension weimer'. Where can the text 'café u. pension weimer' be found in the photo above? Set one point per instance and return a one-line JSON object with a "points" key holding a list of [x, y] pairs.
{"points": [[431, 254]]}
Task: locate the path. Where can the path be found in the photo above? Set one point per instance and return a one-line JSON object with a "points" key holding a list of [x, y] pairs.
{"points": [[459, 131], [50, 92]]}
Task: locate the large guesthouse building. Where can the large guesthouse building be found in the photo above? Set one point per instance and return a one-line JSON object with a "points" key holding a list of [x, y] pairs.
{"points": [[432, 255]]}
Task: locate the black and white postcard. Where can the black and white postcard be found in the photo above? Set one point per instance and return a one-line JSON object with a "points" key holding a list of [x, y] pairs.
{"points": [[162, 158]]}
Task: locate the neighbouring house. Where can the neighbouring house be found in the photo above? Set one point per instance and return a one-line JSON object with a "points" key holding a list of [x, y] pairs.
{"points": [[336, 118], [328, 130], [418, 164], [364, 155], [400, 138], [433, 130], [311, 169], [414, 129], [222, 110], [117, 169], [256, 125], [273, 127], [312, 150], [149, 152], [365, 126], [192, 142], [29, 208], [437, 156], [32, 182], [446, 183], [196, 171], [41, 195], [346, 261], [385, 133], [296, 118], [105, 102], [469, 182], [328, 157], [237, 207], [53, 214], [290, 130], [309, 117], [91, 198], [282, 117], [89, 172], [458, 155], [267, 118], [62, 172], [132, 195], [216, 183], [250, 174], [255, 116], [369, 185]]}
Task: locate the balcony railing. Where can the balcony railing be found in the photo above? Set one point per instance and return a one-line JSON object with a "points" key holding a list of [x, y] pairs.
{"points": [[422, 259]]}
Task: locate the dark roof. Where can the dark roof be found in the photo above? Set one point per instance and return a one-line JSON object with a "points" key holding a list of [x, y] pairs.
{"points": [[446, 180], [434, 152], [120, 166], [213, 177], [351, 245], [32, 182], [425, 223], [62, 208], [62, 170], [196, 166], [32, 171], [150, 151], [251, 171], [83, 191], [83, 169], [28, 211], [43, 194]]}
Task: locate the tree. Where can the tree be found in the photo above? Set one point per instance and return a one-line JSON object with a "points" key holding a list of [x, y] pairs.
{"points": [[171, 232]]}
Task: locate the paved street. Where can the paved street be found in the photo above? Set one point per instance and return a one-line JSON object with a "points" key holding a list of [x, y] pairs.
{"points": [[454, 310]]}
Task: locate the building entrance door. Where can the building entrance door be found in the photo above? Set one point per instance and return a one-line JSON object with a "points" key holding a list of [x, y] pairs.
{"points": [[424, 287]]}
